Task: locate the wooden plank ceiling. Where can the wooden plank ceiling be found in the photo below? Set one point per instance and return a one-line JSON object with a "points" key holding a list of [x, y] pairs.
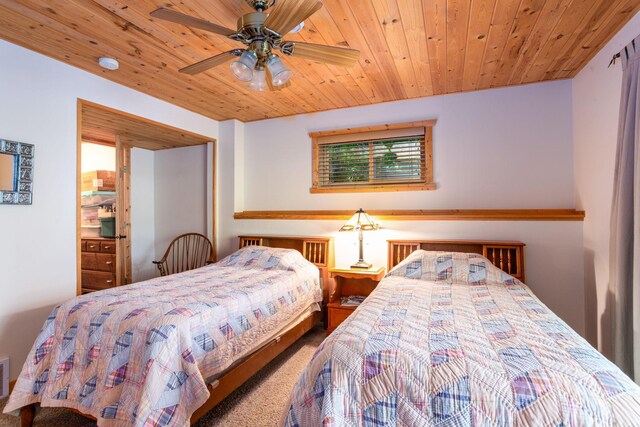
{"points": [[101, 125], [410, 48]]}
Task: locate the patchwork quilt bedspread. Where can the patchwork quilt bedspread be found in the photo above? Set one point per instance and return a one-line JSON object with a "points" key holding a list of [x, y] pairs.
{"points": [[447, 339], [139, 355]]}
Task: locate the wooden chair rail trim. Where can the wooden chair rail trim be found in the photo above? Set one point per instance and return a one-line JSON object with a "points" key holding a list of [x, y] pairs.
{"points": [[424, 215]]}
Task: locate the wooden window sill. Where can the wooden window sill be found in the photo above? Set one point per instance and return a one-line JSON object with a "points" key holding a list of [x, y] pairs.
{"points": [[373, 188]]}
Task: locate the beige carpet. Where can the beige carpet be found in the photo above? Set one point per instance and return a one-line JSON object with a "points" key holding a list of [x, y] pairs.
{"points": [[259, 402]]}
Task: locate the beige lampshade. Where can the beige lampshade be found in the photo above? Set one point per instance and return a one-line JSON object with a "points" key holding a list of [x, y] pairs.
{"points": [[360, 221]]}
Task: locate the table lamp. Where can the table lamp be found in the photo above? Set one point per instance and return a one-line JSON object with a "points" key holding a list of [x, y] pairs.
{"points": [[360, 222]]}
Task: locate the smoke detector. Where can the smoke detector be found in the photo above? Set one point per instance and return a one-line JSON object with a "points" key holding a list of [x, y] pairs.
{"points": [[109, 63]]}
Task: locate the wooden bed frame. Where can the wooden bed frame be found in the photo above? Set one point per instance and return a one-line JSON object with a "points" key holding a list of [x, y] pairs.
{"points": [[319, 251], [507, 256]]}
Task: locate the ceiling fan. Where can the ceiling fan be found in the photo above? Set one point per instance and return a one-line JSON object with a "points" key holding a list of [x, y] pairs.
{"points": [[262, 33]]}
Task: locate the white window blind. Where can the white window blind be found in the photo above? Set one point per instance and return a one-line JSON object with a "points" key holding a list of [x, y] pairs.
{"points": [[392, 160]]}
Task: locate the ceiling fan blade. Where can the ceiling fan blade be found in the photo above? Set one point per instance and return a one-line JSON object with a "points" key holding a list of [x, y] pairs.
{"points": [[190, 21], [289, 13], [208, 63], [342, 57]]}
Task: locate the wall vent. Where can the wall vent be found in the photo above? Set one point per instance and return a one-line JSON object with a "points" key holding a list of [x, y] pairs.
{"points": [[4, 377]]}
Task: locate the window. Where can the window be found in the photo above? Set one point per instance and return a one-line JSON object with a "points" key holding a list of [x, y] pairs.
{"points": [[382, 158]]}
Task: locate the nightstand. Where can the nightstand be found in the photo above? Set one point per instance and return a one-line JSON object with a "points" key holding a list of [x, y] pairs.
{"points": [[349, 281]]}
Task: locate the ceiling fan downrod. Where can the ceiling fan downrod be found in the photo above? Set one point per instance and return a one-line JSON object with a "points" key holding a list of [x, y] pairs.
{"points": [[261, 5]]}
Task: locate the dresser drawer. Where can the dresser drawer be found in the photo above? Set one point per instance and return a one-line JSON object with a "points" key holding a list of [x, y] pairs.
{"points": [[337, 315], [92, 245], [108, 246], [99, 262], [106, 262], [98, 280], [89, 261]]}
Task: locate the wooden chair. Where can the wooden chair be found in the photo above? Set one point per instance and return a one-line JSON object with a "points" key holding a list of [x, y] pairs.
{"points": [[186, 252]]}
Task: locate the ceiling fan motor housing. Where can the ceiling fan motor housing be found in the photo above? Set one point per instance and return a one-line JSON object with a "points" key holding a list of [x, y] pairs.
{"points": [[251, 24]]}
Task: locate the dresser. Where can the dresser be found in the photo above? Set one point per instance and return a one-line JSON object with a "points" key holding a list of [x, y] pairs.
{"points": [[98, 264]]}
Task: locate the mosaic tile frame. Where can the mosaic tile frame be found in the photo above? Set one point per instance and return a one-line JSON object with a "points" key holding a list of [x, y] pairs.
{"points": [[23, 175]]}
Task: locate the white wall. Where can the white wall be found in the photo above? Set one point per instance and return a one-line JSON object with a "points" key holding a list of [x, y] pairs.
{"points": [[230, 182], [596, 105], [38, 244], [97, 157], [505, 148], [180, 194], [143, 249]]}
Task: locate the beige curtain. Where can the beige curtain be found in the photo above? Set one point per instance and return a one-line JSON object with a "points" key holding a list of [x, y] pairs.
{"points": [[624, 282]]}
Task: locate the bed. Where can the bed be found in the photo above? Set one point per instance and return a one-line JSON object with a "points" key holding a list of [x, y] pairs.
{"points": [[165, 351], [449, 339]]}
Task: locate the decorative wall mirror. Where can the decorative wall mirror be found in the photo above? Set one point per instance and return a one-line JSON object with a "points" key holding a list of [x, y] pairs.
{"points": [[16, 172]]}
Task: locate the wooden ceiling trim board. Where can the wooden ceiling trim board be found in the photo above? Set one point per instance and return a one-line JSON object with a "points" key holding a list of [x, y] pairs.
{"points": [[332, 36], [364, 15], [355, 38], [528, 14], [592, 45], [568, 25], [547, 21], [90, 139], [477, 36], [100, 123], [414, 27], [600, 9], [388, 17], [320, 75], [111, 116], [457, 26], [331, 75], [501, 25], [435, 13]]}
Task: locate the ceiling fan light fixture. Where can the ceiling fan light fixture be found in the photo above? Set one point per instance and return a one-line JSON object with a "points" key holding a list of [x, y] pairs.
{"points": [[280, 74], [243, 67], [259, 82], [297, 28]]}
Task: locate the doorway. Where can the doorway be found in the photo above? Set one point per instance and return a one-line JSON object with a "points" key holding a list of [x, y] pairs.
{"points": [[104, 257]]}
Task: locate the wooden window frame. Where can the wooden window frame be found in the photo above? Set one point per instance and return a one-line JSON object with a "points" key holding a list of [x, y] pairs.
{"points": [[351, 135]]}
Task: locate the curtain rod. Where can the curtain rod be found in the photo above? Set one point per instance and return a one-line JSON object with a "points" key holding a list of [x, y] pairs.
{"points": [[626, 53]]}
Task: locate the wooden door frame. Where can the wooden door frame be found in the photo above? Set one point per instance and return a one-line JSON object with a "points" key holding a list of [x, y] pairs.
{"points": [[124, 273], [79, 140]]}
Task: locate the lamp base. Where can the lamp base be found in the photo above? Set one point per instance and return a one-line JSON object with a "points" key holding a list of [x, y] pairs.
{"points": [[361, 264]]}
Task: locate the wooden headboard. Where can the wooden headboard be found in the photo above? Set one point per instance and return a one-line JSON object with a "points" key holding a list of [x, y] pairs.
{"points": [[507, 256], [317, 250]]}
